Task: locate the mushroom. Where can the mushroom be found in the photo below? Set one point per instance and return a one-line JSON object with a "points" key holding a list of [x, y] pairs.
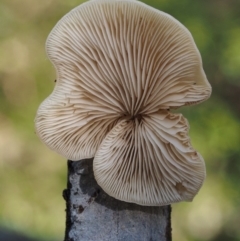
{"points": [[121, 66]]}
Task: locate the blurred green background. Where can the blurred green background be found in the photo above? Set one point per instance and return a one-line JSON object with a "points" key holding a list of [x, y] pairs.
{"points": [[32, 177]]}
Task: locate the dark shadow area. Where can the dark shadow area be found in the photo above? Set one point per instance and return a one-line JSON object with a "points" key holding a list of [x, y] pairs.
{"points": [[223, 236], [11, 235]]}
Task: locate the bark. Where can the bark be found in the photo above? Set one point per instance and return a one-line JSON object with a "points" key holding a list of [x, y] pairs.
{"points": [[94, 215]]}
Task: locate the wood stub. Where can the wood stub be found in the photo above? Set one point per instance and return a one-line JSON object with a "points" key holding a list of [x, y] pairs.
{"points": [[91, 214]]}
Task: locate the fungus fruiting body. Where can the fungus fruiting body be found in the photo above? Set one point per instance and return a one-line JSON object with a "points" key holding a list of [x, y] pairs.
{"points": [[121, 66]]}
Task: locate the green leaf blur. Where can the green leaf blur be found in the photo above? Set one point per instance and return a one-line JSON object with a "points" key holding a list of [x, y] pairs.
{"points": [[32, 177]]}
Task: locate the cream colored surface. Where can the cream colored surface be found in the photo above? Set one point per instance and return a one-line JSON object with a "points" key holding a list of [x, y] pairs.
{"points": [[121, 65]]}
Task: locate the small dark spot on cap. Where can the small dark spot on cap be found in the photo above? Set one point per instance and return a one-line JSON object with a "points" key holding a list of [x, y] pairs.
{"points": [[180, 188]]}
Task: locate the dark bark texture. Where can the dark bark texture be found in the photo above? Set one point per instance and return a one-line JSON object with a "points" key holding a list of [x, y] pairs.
{"points": [[92, 215]]}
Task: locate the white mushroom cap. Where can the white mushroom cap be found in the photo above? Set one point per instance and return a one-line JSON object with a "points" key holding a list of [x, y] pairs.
{"points": [[120, 66]]}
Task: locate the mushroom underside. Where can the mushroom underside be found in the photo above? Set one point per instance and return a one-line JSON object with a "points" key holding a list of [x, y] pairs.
{"points": [[121, 65], [149, 161]]}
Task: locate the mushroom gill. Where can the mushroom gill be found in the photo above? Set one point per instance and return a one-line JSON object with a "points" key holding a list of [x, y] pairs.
{"points": [[149, 162], [121, 65]]}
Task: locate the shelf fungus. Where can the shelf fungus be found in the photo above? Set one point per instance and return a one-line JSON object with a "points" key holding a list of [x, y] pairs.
{"points": [[121, 67]]}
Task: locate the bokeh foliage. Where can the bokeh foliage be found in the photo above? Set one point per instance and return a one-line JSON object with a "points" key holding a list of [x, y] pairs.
{"points": [[32, 177]]}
